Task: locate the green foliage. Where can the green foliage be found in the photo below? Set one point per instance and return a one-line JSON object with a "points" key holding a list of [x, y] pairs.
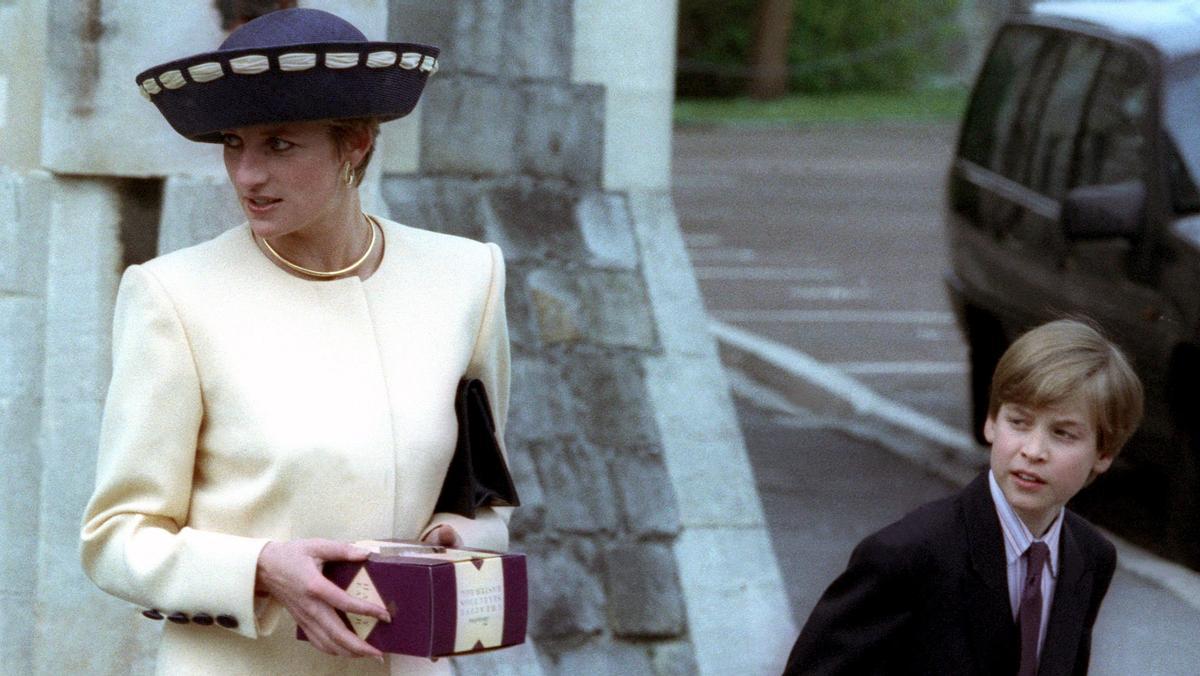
{"points": [[714, 46], [835, 45], [922, 105]]}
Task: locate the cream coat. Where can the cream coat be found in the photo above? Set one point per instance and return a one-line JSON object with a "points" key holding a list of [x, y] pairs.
{"points": [[249, 405]]}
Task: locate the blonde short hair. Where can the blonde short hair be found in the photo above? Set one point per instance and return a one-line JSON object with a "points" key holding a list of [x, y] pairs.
{"points": [[343, 131], [1065, 361]]}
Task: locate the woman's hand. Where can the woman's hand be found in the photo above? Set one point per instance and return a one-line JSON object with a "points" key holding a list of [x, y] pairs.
{"points": [[444, 535], [291, 572]]}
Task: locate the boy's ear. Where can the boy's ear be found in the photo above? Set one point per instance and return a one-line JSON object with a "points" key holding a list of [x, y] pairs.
{"points": [[1102, 463], [989, 429]]}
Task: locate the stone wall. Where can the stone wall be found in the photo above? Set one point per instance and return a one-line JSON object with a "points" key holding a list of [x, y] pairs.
{"points": [[644, 532]]}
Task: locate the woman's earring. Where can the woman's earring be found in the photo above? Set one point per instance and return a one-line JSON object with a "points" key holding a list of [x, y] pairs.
{"points": [[347, 174]]}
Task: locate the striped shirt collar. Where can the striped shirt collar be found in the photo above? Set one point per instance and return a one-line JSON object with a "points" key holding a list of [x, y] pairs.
{"points": [[1017, 537]]}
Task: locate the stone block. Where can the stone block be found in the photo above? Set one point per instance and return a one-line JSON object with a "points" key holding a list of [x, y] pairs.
{"points": [[610, 399], [459, 138], [674, 658], [537, 38], [541, 411], [557, 309], [670, 281], [639, 96], [702, 443], [518, 660], [565, 598], [24, 222], [560, 132], [20, 474], [446, 205], [533, 221], [613, 658], [522, 329], [94, 121], [22, 78], [607, 230], [735, 598], [617, 310], [598, 307], [424, 22], [398, 146], [196, 209], [644, 599], [477, 46], [646, 494], [530, 517], [578, 495]]}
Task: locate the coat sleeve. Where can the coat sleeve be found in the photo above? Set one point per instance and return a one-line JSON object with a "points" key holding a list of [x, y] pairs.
{"points": [[136, 543], [490, 362], [859, 616]]}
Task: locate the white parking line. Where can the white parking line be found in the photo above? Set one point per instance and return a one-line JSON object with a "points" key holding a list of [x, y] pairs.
{"points": [[765, 274], [835, 316], [833, 293], [724, 255], [703, 239], [891, 368]]}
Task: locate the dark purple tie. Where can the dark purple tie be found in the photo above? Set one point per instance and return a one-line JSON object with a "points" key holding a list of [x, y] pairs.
{"points": [[1029, 613]]}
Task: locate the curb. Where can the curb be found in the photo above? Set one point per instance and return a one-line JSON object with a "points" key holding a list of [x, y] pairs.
{"points": [[924, 440]]}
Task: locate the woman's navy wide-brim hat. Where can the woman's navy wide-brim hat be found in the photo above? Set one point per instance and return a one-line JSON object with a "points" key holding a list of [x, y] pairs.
{"points": [[292, 65]]}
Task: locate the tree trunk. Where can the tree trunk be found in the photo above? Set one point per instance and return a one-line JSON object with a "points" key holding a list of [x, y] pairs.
{"points": [[768, 54]]}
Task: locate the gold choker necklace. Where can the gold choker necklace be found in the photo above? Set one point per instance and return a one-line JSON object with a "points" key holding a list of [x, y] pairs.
{"points": [[333, 273]]}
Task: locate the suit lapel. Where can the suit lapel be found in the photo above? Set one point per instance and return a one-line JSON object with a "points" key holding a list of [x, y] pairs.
{"points": [[1068, 613], [993, 631]]}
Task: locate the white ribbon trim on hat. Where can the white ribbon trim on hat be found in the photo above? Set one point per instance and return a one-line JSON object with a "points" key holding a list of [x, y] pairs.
{"points": [[410, 60], [294, 61], [172, 79], [380, 59], [249, 65], [253, 64], [341, 59], [206, 72]]}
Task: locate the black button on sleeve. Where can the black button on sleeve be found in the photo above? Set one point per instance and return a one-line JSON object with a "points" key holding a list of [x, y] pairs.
{"points": [[227, 621], [178, 618], [202, 619], [152, 614]]}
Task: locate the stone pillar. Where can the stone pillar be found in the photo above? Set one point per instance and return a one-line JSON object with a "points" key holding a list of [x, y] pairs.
{"points": [[83, 269], [22, 66], [24, 218]]}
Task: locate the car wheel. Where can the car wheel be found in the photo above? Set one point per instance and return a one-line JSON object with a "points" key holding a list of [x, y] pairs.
{"points": [[986, 342]]}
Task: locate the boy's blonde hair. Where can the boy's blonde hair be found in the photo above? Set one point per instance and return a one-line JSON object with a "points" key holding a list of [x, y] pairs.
{"points": [[1066, 361]]}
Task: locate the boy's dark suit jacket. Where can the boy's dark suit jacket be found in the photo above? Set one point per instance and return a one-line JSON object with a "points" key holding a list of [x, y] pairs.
{"points": [[929, 595]]}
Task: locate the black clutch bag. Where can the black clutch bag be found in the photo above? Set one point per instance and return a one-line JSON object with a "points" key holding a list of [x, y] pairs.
{"points": [[477, 475]]}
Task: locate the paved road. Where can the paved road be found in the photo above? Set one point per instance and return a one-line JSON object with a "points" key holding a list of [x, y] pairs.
{"points": [[827, 240]]}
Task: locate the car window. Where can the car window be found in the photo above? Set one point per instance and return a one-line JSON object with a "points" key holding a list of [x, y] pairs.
{"points": [[990, 116], [1181, 106], [1049, 164], [1185, 198], [1017, 153], [1112, 143]]}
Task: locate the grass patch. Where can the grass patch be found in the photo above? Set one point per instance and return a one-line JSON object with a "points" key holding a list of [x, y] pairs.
{"points": [[943, 104]]}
